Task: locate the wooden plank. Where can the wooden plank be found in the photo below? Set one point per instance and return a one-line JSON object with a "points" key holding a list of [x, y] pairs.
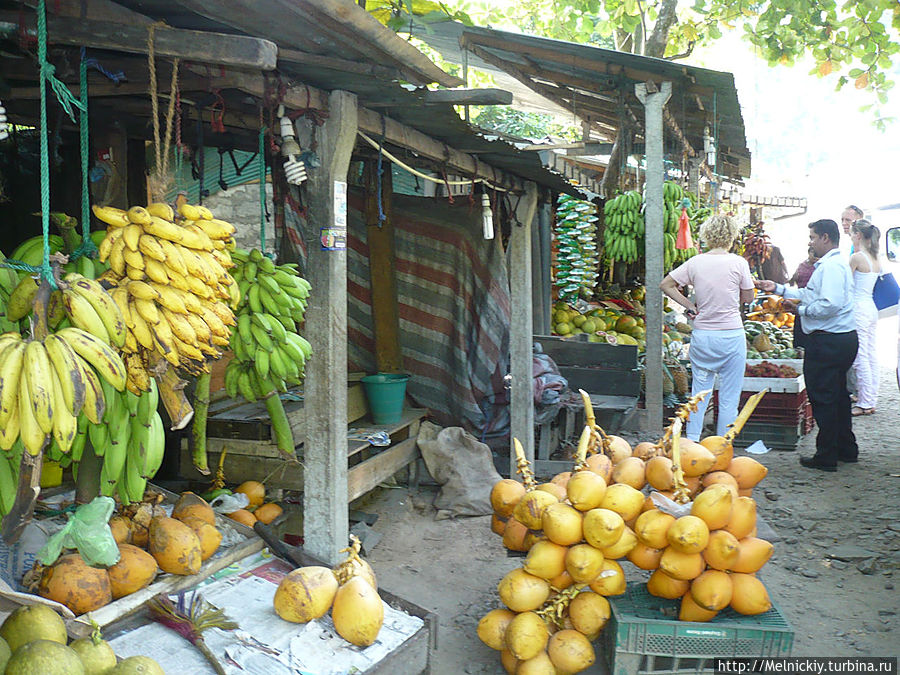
{"points": [[325, 462], [571, 352], [332, 63], [382, 271], [363, 477], [201, 46], [411, 656], [521, 325], [486, 96], [602, 380]]}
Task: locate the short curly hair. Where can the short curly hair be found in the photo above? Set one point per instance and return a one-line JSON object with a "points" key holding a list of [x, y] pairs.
{"points": [[719, 231]]}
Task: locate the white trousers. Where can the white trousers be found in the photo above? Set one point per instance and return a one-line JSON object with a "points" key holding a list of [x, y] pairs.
{"points": [[712, 353], [866, 364]]}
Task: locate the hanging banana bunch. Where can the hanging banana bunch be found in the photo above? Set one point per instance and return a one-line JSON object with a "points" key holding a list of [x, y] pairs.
{"points": [[623, 237], [270, 354], [171, 284]]}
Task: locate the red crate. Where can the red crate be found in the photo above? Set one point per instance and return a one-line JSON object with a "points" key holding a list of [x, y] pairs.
{"points": [[780, 408]]}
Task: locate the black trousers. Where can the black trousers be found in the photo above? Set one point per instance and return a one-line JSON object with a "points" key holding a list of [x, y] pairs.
{"points": [[825, 364]]}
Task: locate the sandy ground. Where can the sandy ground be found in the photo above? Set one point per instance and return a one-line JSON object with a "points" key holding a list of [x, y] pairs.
{"points": [[837, 607]]}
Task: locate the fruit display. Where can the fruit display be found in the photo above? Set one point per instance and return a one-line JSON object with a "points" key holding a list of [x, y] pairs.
{"points": [[269, 352], [766, 369], [755, 246], [766, 340], [33, 640], [769, 309], [575, 527], [171, 284], [350, 591], [577, 260], [608, 323]]}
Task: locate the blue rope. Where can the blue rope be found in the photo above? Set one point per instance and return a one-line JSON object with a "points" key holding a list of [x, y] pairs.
{"points": [[117, 77], [378, 172]]}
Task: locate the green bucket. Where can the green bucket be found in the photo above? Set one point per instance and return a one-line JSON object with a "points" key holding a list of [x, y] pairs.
{"points": [[385, 392]]}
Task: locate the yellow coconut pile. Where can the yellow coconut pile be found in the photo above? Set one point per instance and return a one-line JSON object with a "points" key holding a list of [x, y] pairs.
{"points": [[575, 527]]}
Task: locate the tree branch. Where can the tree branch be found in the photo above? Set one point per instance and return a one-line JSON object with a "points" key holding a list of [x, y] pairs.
{"points": [[684, 54], [656, 43]]}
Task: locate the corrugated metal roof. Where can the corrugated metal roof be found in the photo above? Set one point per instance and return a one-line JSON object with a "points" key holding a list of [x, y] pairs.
{"points": [[587, 81]]}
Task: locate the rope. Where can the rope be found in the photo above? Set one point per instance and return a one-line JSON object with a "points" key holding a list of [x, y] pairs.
{"points": [[160, 180], [118, 77], [87, 246], [378, 172], [262, 189]]}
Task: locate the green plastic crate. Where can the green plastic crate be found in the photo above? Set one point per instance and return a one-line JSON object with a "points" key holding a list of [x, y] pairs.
{"points": [[644, 635]]}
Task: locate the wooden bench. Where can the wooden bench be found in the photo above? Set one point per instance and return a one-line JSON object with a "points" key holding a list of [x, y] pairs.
{"points": [[245, 431], [609, 373]]}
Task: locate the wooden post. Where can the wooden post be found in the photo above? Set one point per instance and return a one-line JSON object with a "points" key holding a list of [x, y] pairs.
{"points": [[521, 327], [382, 273], [542, 291], [653, 247], [325, 405]]}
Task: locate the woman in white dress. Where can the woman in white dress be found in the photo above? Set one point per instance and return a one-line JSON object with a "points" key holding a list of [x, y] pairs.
{"points": [[866, 268]]}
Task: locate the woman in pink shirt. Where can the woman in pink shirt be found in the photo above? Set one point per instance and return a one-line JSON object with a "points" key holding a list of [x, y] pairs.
{"points": [[721, 282]]}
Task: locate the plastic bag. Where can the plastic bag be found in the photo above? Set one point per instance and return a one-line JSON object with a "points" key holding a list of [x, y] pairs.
{"points": [[226, 504], [88, 532]]}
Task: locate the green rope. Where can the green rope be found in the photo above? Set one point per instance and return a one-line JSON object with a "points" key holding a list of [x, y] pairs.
{"points": [[262, 189], [87, 246], [46, 71]]}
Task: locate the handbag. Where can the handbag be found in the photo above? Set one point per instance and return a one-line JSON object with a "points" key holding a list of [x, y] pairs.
{"points": [[886, 294]]}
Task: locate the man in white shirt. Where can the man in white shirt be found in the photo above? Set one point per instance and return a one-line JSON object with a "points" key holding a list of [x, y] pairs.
{"points": [[848, 216], [826, 309]]}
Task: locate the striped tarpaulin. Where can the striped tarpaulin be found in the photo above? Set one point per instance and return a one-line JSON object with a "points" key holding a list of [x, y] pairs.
{"points": [[454, 306]]}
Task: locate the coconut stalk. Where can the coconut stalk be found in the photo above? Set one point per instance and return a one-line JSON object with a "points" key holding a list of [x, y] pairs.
{"points": [[664, 444], [198, 429], [284, 439], [735, 427], [555, 610], [191, 620], [681, 493], [584, 442], [523, 466], [598, 439]]}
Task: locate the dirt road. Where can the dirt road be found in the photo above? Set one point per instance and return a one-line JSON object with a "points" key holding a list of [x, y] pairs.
{"points": [[834, 572]]}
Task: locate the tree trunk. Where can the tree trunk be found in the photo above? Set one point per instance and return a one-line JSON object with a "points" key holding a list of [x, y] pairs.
{"points": [[659, 36], [611, 175]]}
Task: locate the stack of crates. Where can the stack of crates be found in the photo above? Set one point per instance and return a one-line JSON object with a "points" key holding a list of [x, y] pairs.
{"points": [[779, 420], [645, 637]]}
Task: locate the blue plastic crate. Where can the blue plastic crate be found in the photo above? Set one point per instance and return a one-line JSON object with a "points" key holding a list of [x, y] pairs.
{"points": [[644, 635]]}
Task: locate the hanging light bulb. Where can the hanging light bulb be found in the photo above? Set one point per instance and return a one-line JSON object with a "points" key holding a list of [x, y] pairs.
{"points": [[3, 124], [294, 168], [487, 216]]}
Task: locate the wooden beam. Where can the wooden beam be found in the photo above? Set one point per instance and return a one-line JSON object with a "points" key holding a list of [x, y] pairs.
{"points": [[485, 96], [367, 26], [95, 10], [521, 326], [325, 405], [382, 270], [106, 88], [192, 45], [345, 65]]}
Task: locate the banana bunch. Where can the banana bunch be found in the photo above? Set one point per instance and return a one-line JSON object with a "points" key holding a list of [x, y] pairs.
{"points": [[576, 260], [171, 283], [674, 198], [9, 280], [623, 236], [46, 383], [269, 352]]}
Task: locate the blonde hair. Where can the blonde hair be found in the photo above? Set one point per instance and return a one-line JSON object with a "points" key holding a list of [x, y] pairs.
{"points": [[869, 234], [719, 231]]}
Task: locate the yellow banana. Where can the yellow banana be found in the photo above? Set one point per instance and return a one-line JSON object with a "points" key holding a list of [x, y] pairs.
{"points": [[174, 258], [165, 341], [139, 216], [199, 289], [156, 271], [188, 350], [192, 303], [163, 229], [147, 310], [131, 345], [9, 432], [181, 327], [83, 315], [142, 291], [94, 403], [134, 274], [151, 247], [223, 257], [219, 244], [205, 213], [216, 327], [170, 298], [38, 373], [195, 265], [112, 235], [120, 296], [178, 280], [103, 304], [132, 234], [137, 372], [216, 229], [189, 211], [110, 215], [68, 369], [65, 424], [209, 350], [133, 258], [221, 310], [215, 268], [201, 330], [141, 329], [11, 362], [98, 354], [116, 258], [191, 239], [161, 210], [30, 431], [202, 237]]}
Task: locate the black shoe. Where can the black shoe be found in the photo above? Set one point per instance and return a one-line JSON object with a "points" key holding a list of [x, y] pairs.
{"points": [[813, 463], [848, 460]]}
